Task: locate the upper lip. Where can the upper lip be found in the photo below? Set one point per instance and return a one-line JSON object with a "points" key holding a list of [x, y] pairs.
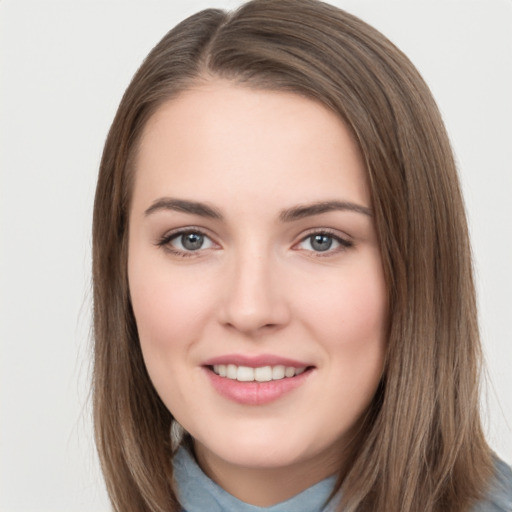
{"points": [[255, 361]]}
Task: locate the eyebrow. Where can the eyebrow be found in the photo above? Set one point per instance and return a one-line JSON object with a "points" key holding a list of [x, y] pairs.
{"points": [[287, 215], [301, 211], [182, 205]]}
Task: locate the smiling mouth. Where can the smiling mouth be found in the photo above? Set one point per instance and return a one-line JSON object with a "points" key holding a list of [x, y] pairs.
{"points": [[256, 380], [258, 374]]}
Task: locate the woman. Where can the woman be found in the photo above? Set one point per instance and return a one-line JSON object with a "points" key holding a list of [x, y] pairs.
{"points": [[282, 271]]}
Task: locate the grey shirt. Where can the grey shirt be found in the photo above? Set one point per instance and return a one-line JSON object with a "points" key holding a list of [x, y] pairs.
{"points": [[198, 493]]}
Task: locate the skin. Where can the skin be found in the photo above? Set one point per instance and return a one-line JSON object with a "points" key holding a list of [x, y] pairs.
{"points": [[257, 285]]}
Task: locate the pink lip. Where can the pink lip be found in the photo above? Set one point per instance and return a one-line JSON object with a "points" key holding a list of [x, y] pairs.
{"points": [[255, 361], [255, 393]]}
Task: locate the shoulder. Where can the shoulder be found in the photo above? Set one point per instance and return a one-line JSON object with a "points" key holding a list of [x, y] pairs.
{"points": [[499, 496]]}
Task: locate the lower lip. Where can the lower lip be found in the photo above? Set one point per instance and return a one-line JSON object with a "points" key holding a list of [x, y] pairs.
{"points": [[255, 393]]}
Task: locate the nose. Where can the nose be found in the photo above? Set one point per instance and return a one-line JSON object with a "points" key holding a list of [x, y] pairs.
{"points": [[255, 300]]}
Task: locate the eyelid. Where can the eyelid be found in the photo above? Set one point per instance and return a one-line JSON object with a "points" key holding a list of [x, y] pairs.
{"points": [[164, 241]]}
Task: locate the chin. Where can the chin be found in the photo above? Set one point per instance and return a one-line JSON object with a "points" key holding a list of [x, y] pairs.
{"points": [[263, 450]]}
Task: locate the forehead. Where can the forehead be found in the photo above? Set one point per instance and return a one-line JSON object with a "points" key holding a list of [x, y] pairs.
{"points": [[220, 138]]}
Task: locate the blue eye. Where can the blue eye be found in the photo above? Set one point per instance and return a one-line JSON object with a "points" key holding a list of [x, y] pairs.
{"points": [[191, 241], [323, 242], [186, 242]]}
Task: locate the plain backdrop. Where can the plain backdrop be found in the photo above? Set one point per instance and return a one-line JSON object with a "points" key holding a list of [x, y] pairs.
{"points": [[63, 68]]}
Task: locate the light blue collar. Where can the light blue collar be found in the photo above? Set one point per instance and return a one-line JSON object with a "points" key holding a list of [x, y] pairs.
{"points": [[198, 493]]}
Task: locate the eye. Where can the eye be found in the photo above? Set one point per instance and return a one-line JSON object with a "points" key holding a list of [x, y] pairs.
{"points": [[191, 241], [323, 242], [186, 242]]}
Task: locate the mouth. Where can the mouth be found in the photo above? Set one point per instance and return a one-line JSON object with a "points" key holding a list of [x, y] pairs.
{"points": [[256, 380]]}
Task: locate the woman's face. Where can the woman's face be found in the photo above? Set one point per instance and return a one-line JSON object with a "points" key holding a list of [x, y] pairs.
{"points": [[255, 276]]}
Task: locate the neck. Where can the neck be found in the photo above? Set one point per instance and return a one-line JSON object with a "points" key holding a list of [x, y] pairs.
{"points": [[264, 487]]}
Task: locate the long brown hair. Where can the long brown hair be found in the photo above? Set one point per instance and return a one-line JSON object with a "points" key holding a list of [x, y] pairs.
{"points": [[421, 447]]}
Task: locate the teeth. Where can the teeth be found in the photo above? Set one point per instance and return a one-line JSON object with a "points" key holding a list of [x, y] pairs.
{"points": [[263, 374], [245, 374], [278, 372], [289, 371], [231, 371], [260, 374]]}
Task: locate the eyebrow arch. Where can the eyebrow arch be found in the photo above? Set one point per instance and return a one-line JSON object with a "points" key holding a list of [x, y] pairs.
{"points": [[299, 212], [182, 205]]}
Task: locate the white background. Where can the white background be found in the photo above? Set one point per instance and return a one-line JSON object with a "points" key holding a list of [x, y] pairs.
{"points": [[63, 68]]}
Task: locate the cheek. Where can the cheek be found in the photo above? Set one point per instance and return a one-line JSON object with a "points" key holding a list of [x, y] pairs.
{"points": [[357, 348], [166, 300], [166, 312], [349, 321], [351, 309]]}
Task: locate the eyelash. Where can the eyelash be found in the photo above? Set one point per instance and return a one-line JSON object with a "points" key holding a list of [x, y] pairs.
{"points": [[165, 242], [344, 244]]}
